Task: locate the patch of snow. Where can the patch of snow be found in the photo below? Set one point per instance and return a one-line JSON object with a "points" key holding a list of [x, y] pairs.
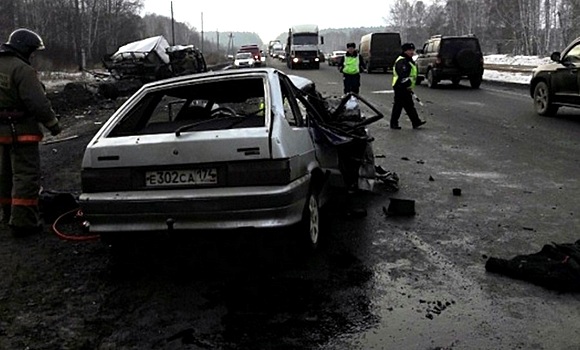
{"points": [[532, 61], [507, 77]]}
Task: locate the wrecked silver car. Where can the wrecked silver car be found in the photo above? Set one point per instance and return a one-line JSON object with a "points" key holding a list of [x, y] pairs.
{"points": [[219, 150]]}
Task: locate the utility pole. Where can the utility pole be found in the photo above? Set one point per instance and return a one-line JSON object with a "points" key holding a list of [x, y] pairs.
{"points": [[230, 44], [217, 35], [202, 32], [172, 25]]}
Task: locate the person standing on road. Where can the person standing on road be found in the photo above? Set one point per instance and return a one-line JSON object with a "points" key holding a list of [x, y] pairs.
{"points": [[23, 107], [404, 79], [350, 65]]}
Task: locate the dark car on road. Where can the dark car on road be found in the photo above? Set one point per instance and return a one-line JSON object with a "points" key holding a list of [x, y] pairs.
{"points": [[380, 50], [451, 58], [557, 84]]}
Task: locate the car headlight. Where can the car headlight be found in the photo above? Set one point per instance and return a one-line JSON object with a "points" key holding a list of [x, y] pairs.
{"points": [[295, 59], [263, 58], [316, 59]]}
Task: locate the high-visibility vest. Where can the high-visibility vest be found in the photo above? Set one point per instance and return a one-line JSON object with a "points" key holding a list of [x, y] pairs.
{"points": [[412, 76], [351, 65]]}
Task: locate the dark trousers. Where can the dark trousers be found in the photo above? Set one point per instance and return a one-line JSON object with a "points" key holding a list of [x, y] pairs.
{"points": [[351, 83], [20, 184], [404, 100]]}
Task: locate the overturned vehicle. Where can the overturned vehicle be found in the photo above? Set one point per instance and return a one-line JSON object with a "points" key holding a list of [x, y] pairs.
{"points": [[148, 60], [224, 150]]}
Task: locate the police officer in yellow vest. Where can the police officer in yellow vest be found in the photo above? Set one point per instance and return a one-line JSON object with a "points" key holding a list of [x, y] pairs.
{"points": [[350, 65], [23, 107], [404, 79]]}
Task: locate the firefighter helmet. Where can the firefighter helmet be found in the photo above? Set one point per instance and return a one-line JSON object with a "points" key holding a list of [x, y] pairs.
{"points": [[25, 41]]}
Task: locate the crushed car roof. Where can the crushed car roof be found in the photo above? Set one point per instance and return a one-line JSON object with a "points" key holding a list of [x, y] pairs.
{"points": [[157, 43]]}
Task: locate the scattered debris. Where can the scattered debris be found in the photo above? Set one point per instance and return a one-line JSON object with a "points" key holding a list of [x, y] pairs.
{"points": [[380, 156], [48, 142], [400, 207], [405, 158], [431, 178], [528, 228], [420, 162], [457, 191]]}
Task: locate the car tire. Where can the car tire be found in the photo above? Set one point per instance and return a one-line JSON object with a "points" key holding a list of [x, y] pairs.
{"points": [[369, 68], [475, 81], [543, 100], [309, 226], [431, 81]]}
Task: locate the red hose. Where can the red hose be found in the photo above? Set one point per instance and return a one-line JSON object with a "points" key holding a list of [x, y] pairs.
{"points": [[72, 237]]}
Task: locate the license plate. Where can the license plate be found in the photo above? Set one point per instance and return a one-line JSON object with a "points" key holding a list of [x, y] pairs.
{"points": [[205, 176], [306, 61]]}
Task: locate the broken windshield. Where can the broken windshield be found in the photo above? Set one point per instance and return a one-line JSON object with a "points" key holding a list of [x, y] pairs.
{"points": [[202, 106]]}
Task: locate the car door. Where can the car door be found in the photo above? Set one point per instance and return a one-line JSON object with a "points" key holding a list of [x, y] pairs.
{"points": [[422, 61], [566, 79], [295, 142]]}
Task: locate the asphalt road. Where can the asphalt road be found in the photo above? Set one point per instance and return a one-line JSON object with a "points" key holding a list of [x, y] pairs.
{"points": [[376, 283], [520, 190]]}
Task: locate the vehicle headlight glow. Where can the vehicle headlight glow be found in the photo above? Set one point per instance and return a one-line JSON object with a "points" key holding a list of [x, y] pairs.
{"points": [[316, 59], [262, 58], [295, 60]]}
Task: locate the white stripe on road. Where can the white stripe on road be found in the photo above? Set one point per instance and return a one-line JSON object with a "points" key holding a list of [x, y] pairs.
{"points": [[382, 92]]}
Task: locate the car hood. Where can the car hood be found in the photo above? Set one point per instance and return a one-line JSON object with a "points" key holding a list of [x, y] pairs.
{"points": [[550, 67]]}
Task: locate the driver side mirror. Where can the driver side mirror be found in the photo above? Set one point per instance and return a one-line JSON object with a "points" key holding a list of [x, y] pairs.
{"points": [[555, 56], [420, 52]]}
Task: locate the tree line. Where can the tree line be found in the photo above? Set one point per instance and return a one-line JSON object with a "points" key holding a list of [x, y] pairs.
{"points": [[77, 31], [526, 27]]}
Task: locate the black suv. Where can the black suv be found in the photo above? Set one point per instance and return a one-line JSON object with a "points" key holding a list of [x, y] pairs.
{"points": [[557, 84], [450, 58]]}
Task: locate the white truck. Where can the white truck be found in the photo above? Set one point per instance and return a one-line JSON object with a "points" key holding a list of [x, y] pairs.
{"points": [[303, 46]]}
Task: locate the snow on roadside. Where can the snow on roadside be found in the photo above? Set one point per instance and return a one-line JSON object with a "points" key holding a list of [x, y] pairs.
{"points": [[507, 77], [510, 60], [532, 61]]}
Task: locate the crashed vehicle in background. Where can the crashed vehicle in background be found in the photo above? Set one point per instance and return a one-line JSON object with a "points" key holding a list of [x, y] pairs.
{"points": [[222, 150], [148, 60]]}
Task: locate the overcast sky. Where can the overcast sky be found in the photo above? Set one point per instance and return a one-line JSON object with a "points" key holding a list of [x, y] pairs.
{"points": [[270, 18]]}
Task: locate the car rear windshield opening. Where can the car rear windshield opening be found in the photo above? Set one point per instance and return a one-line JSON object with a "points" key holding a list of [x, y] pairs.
{"points": [[216, 105]]}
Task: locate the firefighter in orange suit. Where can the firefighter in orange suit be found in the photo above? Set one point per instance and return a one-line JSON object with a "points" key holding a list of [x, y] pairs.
{"points": [[23, 107]]}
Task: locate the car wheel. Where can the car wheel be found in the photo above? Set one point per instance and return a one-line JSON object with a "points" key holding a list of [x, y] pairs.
{"points": [[455, 81], [431, 81], [369, 68], [475, 82], [310, 224], [542, 100]]}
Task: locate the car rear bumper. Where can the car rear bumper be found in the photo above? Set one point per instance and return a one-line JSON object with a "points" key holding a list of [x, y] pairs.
{"points": [[449, 73], [196, 209]]}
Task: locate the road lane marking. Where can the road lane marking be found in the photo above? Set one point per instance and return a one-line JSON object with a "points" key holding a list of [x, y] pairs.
{"points": [[382, 92]]}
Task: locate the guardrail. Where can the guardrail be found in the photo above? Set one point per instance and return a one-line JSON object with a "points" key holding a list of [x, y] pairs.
{"points": [[508, 68]]}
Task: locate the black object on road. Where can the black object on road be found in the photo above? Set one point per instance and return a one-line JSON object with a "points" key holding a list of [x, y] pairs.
{"points": [[556, 266], [457, 191], [400, 207]]}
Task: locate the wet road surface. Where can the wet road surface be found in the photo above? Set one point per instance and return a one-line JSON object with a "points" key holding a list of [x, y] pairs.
{"points": [[376, 283]]}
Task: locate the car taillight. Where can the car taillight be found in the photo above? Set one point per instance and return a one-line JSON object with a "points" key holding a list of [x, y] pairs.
{"points": [[106, 180], [259, 173]]}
